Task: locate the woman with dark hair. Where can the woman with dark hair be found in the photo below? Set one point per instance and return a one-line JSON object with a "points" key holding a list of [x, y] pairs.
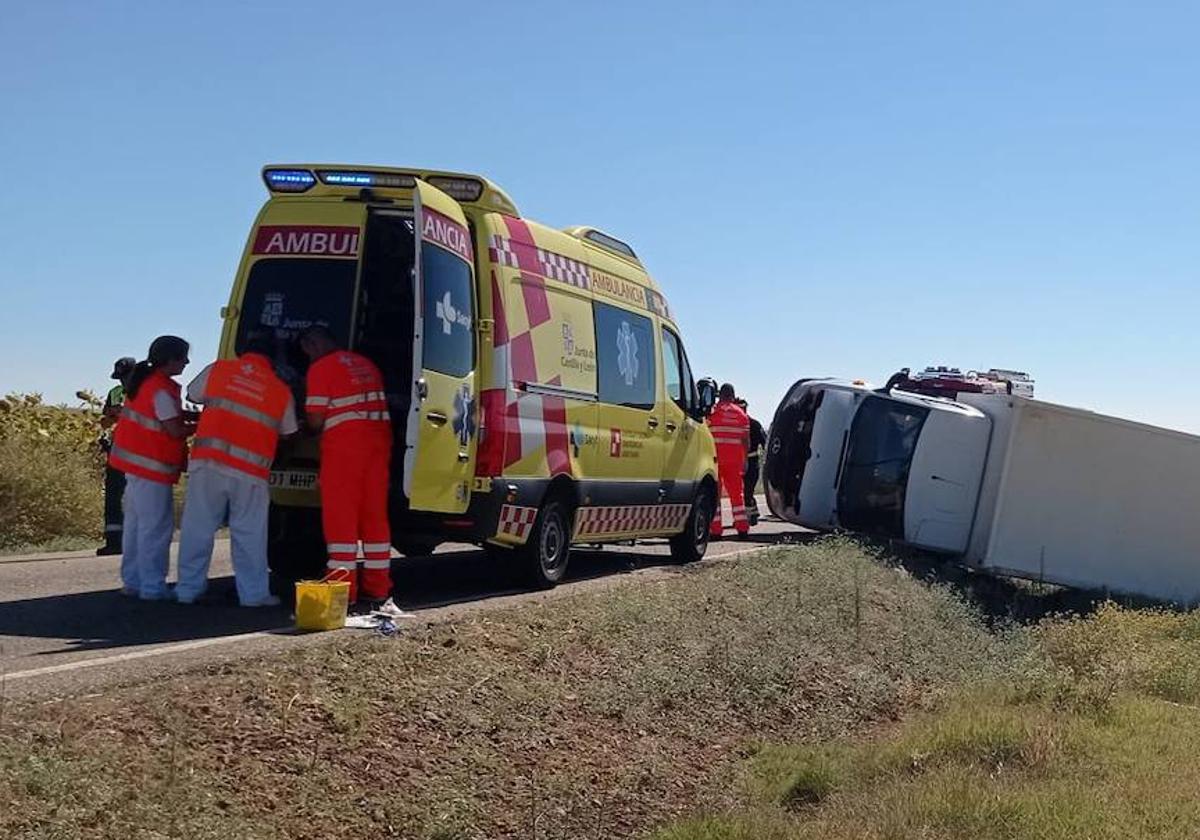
{"points": [[150, 447]]}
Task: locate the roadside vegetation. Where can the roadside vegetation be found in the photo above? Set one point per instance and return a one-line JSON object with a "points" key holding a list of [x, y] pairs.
{"points": [[811, 691], [596, 715], [51, 474], [1095, 738]]}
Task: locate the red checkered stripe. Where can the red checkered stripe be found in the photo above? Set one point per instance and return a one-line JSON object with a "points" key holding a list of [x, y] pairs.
{"points": [[501, 251], [532, 422], [630, 519], [564, 269], [516, 522]]}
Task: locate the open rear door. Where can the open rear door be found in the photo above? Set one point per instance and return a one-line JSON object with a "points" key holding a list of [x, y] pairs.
{"points": [[439, 460]]}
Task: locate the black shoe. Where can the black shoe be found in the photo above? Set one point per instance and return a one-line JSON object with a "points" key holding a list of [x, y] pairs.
{"points": [[108, 550], [744, 536]]}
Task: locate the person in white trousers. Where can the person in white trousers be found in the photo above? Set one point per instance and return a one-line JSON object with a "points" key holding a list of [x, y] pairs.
{"points": [[247, 407], [148, 446]]}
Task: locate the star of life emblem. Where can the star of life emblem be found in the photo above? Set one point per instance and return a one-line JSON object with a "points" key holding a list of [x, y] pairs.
{"points": [[627, 353]]}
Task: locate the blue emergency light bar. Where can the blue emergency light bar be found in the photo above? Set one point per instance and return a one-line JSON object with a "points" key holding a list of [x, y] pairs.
{"points": [[357, 178], [289, 180]]}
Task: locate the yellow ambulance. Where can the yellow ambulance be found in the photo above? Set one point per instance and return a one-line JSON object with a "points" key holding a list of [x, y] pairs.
{"points": [[539, 389]]}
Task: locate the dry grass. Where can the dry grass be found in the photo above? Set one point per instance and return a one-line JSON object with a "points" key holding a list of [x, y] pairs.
{"points": [[1097, 739], [601, 715]]}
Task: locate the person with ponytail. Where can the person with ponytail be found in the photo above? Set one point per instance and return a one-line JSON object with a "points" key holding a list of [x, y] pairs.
{"points": [[150, 447]]}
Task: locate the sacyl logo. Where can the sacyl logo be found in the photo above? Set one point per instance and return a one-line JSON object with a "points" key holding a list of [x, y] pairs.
{"points": [[451, 316]]}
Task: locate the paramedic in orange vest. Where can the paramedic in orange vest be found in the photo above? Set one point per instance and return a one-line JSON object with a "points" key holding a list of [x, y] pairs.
{"points": [[345, 402], [730, 429], [149, 446], [246, 408]]}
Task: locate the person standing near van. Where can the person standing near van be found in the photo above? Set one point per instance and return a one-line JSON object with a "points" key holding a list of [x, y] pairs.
{"points": [[346, 404], [114, 480], [758, 442], [730, 429], [150, 448], [246, 408]]}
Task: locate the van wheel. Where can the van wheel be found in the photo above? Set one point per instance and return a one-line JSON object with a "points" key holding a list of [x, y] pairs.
{"points": [[689, 546], [545, 554]]}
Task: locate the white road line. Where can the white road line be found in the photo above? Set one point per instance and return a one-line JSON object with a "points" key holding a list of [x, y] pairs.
{"points": [[142, 654]]}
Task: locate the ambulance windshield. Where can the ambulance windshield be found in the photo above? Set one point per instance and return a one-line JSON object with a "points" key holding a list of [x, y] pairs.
{"points": [[283, 296]]}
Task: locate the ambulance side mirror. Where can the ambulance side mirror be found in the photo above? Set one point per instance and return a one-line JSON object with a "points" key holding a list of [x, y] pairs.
{"points": [[706, 390]]}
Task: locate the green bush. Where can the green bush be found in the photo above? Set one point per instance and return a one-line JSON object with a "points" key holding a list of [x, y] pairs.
{"points": [[51, 471]]}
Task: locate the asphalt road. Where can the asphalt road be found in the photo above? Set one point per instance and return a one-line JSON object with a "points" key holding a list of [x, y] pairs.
{"points": [[64, 629]]}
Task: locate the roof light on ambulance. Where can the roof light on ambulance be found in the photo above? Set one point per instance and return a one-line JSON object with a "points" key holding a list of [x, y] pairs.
{"points": [[460, 189], [289, 180], [366, 179]]}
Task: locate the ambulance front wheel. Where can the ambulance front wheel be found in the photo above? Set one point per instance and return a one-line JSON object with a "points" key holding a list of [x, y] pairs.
{"points": [[545, 554], [689, 546]]}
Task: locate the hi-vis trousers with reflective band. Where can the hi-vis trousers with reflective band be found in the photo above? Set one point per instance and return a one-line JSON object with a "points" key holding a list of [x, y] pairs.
{"points": [[730, 466], [354, 508]]}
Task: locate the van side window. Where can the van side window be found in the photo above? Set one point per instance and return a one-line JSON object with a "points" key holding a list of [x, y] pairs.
{"points": [[680, 388], [625, 357], [448, 345]]}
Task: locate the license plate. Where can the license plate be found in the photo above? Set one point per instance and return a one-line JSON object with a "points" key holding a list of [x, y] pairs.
{"points": [[293, 479]]}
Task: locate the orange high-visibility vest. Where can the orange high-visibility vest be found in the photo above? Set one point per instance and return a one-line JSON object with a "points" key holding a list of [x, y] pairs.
{"points": [[730, 427], [347, 389], [244, 404], [141, 445]]}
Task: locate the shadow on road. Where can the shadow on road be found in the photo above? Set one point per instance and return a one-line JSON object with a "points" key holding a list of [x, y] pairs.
{"points": [[104, 620]]}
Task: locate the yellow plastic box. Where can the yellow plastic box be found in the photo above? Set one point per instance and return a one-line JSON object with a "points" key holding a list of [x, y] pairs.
{"points": [[321, 604]]}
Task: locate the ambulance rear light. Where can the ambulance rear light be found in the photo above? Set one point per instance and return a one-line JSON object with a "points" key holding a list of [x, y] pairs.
{"points": [[288, 180], [357, 178], [460, 189]]}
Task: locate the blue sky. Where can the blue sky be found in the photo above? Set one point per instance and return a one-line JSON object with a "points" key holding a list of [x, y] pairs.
{"points": [[820, 188]]}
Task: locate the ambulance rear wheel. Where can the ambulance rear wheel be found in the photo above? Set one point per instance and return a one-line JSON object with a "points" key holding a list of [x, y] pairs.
{"points": [[545, 554], [689, 546]]}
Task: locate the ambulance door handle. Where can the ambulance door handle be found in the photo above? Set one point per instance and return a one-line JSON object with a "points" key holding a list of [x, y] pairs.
{"points": [[463, 457], [652, 422], [671, 427], [436, 418]]}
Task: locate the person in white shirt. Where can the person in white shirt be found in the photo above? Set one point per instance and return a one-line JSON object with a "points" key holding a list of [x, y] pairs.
{"points": [[149, 446], [247, 408]]}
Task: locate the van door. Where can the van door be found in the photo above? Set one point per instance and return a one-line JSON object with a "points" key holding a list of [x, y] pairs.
{"points": [[682, 457], [440, 441]]}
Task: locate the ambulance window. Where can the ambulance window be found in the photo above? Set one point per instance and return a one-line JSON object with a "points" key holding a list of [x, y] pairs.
{"points": [[449, 343], [681, 388], [283, 296], [625, 357], [671, 371]]}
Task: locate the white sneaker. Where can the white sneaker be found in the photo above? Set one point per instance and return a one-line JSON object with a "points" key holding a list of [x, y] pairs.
{"points": [[391, 610], [269, 601]]}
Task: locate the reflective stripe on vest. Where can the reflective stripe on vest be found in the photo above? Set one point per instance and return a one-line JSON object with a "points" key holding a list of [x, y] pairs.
{"points": [[141, 444], [229, 449], [345, 416], [244, 411], [144, 461], [141, 419], [244, 404]]}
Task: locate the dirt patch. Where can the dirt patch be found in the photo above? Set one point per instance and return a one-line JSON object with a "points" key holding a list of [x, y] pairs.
{"points": [[600, 715]]}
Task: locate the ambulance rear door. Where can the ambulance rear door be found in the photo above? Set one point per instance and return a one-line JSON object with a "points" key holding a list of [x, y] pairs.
{"points": [[439, 458]]}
